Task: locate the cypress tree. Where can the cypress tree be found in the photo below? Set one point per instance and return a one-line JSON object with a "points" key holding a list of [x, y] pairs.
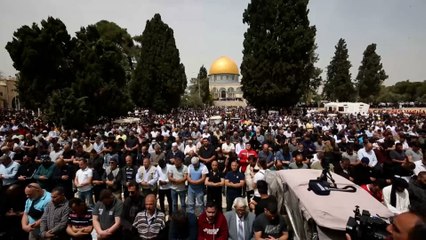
{"points": [[277, 64], [338, 85], [370, 75], [160, 79]]}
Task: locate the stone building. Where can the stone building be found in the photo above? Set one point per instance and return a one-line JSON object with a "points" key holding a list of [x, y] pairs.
{"points": [[8, 94]]}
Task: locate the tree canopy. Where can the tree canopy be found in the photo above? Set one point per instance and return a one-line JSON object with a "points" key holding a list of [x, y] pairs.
{"points": [[339, 86], [277, 64], [160, 79], [41, 55], [74, 81], [370, 75]]}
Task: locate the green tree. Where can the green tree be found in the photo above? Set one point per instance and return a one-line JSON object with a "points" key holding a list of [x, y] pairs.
{"points": [[110, 31], [200, 86], [100, 74], [41, 55], [160, 79], [370, 75], [277, 57], [65, 109], [338, 85]]}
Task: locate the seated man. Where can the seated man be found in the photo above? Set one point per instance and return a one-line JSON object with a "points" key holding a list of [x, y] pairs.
{"points": [[396, 196], [270, 224], [79, 220], [240, 220], [212, 224]]}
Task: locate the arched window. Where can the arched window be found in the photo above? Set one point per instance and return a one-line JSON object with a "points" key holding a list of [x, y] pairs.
{"points": [[231, 92]]}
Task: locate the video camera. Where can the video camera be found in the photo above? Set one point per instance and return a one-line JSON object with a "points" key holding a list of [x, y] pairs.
{"points": [[366, 227]]}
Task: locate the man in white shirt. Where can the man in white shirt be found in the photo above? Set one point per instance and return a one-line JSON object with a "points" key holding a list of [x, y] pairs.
{"points": [[164, 185], [368, 152], [396, 196], [189, 147], [227, 147], [83, 182], [260, 175], [178, 174]]}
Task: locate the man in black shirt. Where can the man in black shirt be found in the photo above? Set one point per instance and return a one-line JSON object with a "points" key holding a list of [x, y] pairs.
{"points": [[270, 224], [214, 183], [132, 205], [207, 153]]}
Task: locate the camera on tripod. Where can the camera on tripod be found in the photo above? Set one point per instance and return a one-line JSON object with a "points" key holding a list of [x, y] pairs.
{"points": [[364, 226]]}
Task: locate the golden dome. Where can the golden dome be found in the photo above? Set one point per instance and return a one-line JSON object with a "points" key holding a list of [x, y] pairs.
{"points": [[224, 65]]}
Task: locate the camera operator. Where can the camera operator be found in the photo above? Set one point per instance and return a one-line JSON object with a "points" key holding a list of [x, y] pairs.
{"points": [[409, 225]]}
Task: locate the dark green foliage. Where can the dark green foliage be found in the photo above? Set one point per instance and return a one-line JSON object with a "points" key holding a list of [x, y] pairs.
{"points": [[199, 88], [277, 65], [370, 75], [100, 74], [338, 86], [74, 81], [160, 79], [109, 31], [65, 109], [403, 91], [41, 55]]}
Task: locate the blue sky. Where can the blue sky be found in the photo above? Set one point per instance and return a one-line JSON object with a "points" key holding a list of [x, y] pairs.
{"points": [[207, 29]]}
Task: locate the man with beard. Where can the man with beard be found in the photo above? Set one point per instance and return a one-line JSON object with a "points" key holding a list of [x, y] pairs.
{"points": [[107, 216], [212, 224], [55, 217], [396, 196], [270, 224], [131, 207]]}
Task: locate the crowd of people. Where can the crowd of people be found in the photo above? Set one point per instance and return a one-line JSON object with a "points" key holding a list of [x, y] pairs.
{"points": [[164, 176]]}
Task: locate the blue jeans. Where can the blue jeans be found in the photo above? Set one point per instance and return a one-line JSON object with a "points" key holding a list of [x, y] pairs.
{"points": [[195, 200], [182, 195], [87, 197]]}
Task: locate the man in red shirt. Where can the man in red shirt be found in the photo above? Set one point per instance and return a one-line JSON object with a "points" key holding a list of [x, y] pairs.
{"points": [[375, 189], [212, 224], [244, 155]]}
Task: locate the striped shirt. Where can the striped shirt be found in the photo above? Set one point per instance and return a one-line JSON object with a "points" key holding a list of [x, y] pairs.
{"points": [[81, 221], [149, 226]]}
